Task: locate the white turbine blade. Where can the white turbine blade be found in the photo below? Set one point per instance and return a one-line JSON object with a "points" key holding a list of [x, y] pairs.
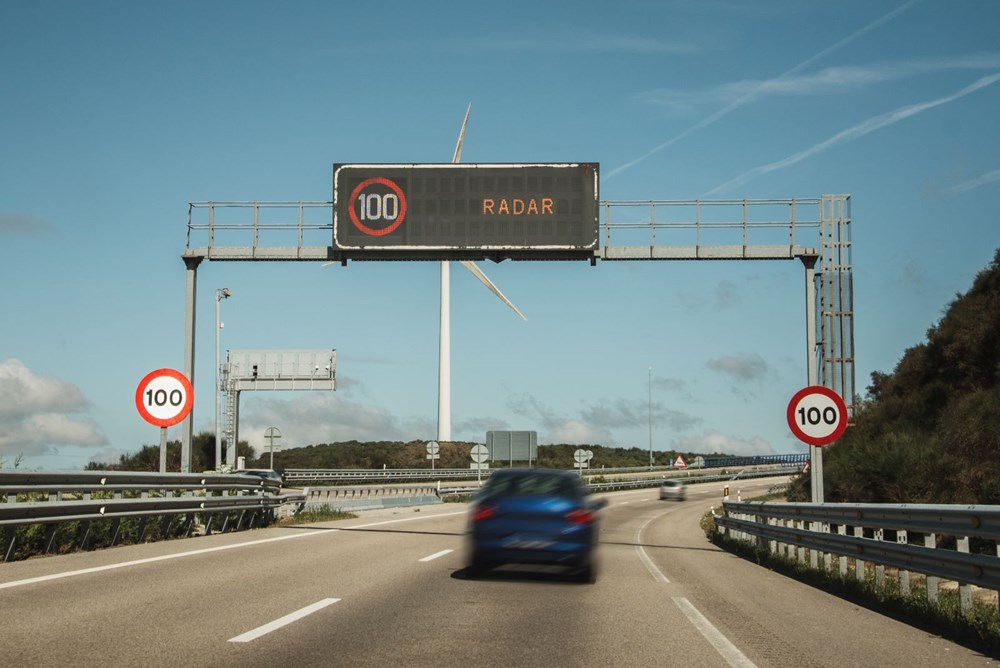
{"points": [[478, 273], [461, 136]]}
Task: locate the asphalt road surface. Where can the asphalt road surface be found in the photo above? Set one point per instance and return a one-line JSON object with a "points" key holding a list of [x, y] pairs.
{"points": [[389, 589]]}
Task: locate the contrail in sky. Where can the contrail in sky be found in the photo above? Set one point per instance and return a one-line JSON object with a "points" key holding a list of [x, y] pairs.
{"points": [[859, 130], [985, 179], [739, 102]]}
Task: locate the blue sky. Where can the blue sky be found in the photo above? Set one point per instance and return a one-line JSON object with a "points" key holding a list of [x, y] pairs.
{"points": [[115, 115]]}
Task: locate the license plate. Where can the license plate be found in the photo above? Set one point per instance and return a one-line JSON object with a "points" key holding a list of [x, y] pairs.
{"points": [[527, 543]]}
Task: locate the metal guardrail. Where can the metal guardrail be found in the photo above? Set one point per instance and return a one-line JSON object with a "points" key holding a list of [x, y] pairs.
{"points": [[858, 532], [52, 499], [642, 483], [415, 475], [367, 498]]}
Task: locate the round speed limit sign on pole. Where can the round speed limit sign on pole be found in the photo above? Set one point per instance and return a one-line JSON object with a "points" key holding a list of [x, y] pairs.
{"points": [[817, 415], [164, 397]]}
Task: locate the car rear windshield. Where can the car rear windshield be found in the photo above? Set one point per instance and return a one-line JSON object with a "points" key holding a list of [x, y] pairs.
{"points": [[533, 484]]}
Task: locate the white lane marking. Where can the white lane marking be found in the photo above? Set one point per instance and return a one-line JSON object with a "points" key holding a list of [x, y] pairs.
{"points": [[165, 557], [647, 562], [207, 550], [284, 621], [436, 555], [726, 649], [624, 503], [406, 519]]}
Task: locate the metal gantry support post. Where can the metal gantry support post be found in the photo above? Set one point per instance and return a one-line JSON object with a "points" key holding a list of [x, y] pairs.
{"points": [[815, 453], [187, 426]]}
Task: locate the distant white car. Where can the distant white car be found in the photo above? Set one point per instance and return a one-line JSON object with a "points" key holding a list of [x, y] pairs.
{"points": [[672, 489]]}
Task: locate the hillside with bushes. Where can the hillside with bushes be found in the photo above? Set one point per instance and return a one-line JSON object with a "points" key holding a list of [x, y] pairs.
{"points": [[929, 432]]}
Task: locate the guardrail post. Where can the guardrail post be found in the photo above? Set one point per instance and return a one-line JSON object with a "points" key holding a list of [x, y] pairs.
{"points": [[83, 535], [813, 554], [783, 547], [143, 527], [50, 537], [827, 557], [8, 543], [964, 590], [859, 564], [904, 576], [801, 525], [930, 540], [879, 535], [842, 531]]}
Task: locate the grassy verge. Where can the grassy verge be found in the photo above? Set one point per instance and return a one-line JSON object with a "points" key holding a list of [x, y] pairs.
{"points": [[323, 513], [979, 628]]}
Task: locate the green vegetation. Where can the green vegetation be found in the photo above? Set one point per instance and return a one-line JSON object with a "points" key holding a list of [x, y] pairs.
{"points": [[148, 457], [321, 513], [929, 432], [376, 455]]}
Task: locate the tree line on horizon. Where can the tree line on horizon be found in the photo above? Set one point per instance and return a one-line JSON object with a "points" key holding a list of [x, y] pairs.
{"points": [[379, 454]]}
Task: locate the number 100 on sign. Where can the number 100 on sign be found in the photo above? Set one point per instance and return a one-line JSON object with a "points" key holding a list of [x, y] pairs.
{"points": [[817, 415], [164, 397]]}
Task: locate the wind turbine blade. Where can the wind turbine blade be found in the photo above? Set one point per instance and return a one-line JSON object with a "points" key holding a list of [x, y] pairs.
{"points": [[478, 273], [461, 136]]}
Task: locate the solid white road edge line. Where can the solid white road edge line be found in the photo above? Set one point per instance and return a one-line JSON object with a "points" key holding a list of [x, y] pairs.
{"points": [[284, 621], [644, 558], [406, 519], [150, 560], [726, 649], [436, 555]]}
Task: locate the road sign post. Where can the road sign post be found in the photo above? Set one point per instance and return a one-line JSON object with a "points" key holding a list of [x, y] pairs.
{"points": [[272, 434], [433, 448], [479, 454], [164, 398], [817, 415]]}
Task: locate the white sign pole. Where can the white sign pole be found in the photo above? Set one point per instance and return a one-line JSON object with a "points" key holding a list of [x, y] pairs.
{"points": [[163, 449]]}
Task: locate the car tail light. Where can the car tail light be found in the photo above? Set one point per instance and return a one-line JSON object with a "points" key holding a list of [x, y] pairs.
{"points": [[483, 513], [579, 516]]}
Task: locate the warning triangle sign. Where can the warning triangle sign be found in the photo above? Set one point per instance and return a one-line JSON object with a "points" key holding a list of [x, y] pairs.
{"points": [[680, 463]]}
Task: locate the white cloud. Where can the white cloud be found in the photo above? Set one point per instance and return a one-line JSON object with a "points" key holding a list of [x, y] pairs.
{"points": [[743, 367], [715, 441], [576, 432], [324, 418], [15, 223], [40, 413]]}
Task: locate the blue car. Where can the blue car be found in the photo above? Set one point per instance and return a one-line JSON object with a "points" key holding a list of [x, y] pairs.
{"points": [[534, 516]]}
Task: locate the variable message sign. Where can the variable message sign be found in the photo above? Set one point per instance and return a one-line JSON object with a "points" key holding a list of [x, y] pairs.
{"points": [[446, 211]]}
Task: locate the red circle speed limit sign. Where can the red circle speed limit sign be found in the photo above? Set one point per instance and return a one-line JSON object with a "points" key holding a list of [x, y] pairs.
{"points": [[380, 206], [164, 397], [817, 415]]}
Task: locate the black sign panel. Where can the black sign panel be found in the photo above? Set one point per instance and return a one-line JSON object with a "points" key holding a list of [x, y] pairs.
{"points": [[421, 210]]}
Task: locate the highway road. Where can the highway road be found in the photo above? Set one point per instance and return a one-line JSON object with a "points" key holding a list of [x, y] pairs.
{"points": [[389, 589]]}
